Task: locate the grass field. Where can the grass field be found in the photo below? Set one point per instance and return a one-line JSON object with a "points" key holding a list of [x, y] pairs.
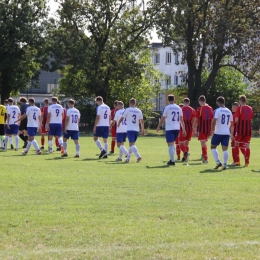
{"points": [[67, 208]]}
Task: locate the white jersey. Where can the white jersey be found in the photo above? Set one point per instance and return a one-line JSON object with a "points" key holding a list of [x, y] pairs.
{"points": [[13, 111], [33, 114], [104, 112], [122, 128], [172, 113], [133, 116], [224, 117], [74, 116], [56, 111]]}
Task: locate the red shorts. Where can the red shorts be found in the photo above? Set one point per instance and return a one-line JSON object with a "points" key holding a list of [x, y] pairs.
{"points": [[203, 137], [185, 138], [43, 130], [243, 138], [177, 140], [113, 132]]}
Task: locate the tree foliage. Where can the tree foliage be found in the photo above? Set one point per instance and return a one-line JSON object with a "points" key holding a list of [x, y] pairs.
{"points": [[99, 40], [22, 26], [209, 31]]}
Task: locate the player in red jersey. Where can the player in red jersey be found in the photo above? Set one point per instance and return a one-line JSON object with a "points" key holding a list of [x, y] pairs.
{"points": [[113, 128], [58, 147], [235, 153], [204, 116], [244, 115], [189, 116], [44, 114], [178, 149]]}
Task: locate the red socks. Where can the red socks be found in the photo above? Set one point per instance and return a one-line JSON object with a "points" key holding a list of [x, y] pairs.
{"points": [[183, 148], [204, 150], [242, 149], [42, 141], [178, 150], [57, 142], [247, 157], [113, 143]]}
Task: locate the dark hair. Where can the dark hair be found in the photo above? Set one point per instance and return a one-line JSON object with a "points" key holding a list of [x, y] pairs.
{"points": [[186, 100], [71, 101], [10, 100], [31, 100], [235, 104], [132, 101], [99, 98], [46, 101], [115, 103], [171, 97], [242, 98], [23, 99], [54, 99], [6, 101], [202, 98], [221, 100]]}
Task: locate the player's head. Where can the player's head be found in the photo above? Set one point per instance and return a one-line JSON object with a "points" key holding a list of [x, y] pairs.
{"points": [[23, 100], [186, 101], [202, 100], [220, 101], [242, 100], [31, 101], [115, 104], [6, 102], [181, 105], [71, 103], [171, 98], [235, 105], [99, 100], [10, 101], [46, 101], [54, 100], [120, 105], [132, 102]]}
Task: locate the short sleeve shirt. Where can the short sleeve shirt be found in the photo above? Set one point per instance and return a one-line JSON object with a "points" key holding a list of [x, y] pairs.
{"points": [[74, 116], [172, 113]]}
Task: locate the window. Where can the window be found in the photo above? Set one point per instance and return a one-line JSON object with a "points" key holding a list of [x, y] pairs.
{"points": [[176, 80], [176, 55], [168, 81], [157, 58], [168, 57]]}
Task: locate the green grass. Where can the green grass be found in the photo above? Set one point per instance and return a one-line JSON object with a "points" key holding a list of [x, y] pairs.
{"points": [[54, 208]]}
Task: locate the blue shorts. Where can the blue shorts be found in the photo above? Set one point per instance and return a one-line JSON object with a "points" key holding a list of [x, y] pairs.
{"points": [[102, 131], [55, 129], [217, 139], [121, 137], [73, 134], [172, 135], [32, 131], [132, 136], [13, 129]]}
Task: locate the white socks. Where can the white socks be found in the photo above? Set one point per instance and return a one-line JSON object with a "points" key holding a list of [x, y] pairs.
{"points": [[215, 155], [35, 145], [50, 145], [77, 149], [65, 145], [99, 145], [225, 157], [105, 147], [135, 151], [28, 146], [171, 150], [17, 142]]}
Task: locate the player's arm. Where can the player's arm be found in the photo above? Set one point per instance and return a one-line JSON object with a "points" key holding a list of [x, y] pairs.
{"points": [[8, 120], [213, 125], [48, 121], [142, 126], [161, 123], [96, 123], [67, 120], [183, 126], [113, 123], [39, 123], [21, 118], [120, 121]]}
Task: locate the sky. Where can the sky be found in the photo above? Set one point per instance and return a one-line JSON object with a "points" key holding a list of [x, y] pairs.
{"points": [[54, 6]]}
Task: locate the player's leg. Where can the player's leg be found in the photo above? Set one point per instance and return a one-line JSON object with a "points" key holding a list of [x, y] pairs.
{"points": [[122, 147], [113, 142], [25, 133], [105, 134], [75, 138], [171, 148], [21, 135], [15, 130], [204, 150], [242, 148], [57, 144], [224, 143], [234, 156], [11, 142], [178, 149], [65, 144], [134, 147], [29, 143], [2, 135], [215, 141], [50, 137], [247, 156], [43, 133]]}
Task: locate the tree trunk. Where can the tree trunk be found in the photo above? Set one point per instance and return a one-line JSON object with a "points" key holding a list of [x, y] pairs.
{"points": [[5, 93]]}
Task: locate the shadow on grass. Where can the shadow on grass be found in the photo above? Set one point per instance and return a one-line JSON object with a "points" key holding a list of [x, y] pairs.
{"points": [[55, 158], [158, 167], [192, 163], [255, 171], [89, 159], [220, 169]]}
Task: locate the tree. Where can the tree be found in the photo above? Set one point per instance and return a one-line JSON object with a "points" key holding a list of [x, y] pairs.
{"points": [[207, 32], [100, 40], [22, 26]]}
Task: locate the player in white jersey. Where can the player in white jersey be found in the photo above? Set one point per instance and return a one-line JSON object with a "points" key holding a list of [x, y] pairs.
{"points": [[13, 114], [71, 129], [54, 123], [220, 129], [34, 120], [121, 131], [133, 117], [173, 118], [101, 127]]}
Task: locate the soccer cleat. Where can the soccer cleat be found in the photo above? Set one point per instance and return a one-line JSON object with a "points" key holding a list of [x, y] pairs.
{"points": [[58, 149], [12, 147], [171, 163], [224, 167], [186, 156], [204, 161], [39, 152], [218, 165], [42, 148], [103, 152], [235, 164], [105, 157], [76, 156], [118, 160], [50, 151], [64, 155], [246, 164], [25, 144], [139, 159], [183, 159], [24, 153], [127, 160], [62, 149], [16, 149]]}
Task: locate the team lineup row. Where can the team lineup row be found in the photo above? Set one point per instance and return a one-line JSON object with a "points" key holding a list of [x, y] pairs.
{"points": [[180, 124]]}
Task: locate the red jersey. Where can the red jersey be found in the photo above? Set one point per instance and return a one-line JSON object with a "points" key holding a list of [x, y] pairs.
{"points": [[245, 115], [44, 112], [204, 115], [188, 115], [64, 117], [113, 112]]}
